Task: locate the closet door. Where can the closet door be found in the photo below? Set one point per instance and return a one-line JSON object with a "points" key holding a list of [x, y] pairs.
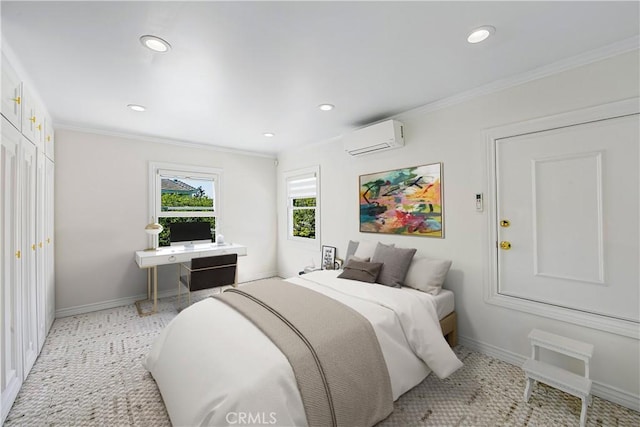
{"points": [[49, 138], [40, 249], [11, 269], [11, 94], [27, 176], [29, 115], [49, 245]]}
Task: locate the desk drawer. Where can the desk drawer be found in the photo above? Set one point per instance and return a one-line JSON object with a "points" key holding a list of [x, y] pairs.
{"points": [[182, 256], [219, 251], [164, 259]]}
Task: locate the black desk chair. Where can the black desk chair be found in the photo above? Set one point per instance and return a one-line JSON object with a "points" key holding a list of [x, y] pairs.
{"points": [[208, 272]]}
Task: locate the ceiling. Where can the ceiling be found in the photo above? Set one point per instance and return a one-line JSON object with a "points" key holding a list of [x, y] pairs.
{"points": [[239, 69]]}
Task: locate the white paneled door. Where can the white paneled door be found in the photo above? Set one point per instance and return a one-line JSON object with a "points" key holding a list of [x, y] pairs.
{"points": [[49, 277], [10, 94], [10, 268], [28, 209], [40, 250], [568, 217]]}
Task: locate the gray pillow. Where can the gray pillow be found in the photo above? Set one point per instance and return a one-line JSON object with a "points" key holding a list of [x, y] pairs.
{"points": [[395, 263], [362, 271], [427, 274], [351, 249]]}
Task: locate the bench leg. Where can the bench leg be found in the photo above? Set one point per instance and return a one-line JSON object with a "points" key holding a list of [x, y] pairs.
{"points": [[528, 389], [583, 414]]}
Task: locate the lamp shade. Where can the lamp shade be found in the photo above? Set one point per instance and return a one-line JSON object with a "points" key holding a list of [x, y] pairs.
{"points": [[153, 228]]}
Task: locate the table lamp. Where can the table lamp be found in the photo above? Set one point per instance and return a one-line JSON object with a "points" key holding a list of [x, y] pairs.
{"points": [[153, 229]]}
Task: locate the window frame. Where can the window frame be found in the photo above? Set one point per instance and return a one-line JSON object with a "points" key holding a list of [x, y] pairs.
{"points": [[298, 174], [158, 170]]}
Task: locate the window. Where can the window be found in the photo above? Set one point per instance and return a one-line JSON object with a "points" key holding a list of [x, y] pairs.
{"points": [[303, 203], [182, 193]]}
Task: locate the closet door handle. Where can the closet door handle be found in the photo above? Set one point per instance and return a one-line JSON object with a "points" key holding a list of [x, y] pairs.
{"points": [[18, 254], [17, 100]]}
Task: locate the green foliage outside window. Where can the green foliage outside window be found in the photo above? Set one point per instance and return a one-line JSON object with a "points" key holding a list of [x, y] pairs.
{"points": [[304, 220], [197, 202], [299, 203]]}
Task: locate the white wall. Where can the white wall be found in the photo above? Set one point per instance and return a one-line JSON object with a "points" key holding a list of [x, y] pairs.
{"points": [[101, 209], [454, 136]]}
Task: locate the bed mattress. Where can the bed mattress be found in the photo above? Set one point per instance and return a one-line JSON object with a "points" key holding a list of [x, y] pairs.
{"points": [[445, 304]]}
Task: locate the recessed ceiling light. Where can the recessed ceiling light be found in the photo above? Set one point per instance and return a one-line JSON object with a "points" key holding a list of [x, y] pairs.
{"points": [[136, 107], [480, 34], [155, 43], [326, 107], [269, 134]]}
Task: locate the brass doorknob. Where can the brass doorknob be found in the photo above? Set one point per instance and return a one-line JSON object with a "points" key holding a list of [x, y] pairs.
{"points": [[18, 254], [505, 223], [505, 245]]}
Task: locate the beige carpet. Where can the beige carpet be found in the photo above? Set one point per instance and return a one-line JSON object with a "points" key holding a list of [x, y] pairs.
{"points": [[90, 374]]}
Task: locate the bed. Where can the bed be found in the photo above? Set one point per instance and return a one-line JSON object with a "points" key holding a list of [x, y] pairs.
{"points": [[212, 365]]}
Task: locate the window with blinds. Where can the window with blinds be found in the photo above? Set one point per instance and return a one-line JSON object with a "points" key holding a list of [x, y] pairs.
{"points": [[303, 204]]}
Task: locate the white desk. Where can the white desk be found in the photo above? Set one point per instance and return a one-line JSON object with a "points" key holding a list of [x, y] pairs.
{"points": [[151, 259]]}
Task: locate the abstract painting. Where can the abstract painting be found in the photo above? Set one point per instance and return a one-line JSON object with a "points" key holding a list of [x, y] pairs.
{"points": [[403, 201]]}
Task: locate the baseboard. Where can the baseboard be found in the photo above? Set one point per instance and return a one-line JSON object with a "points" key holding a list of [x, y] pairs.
{"points": [[604, 391], [119, 302], [105, 305], [616, 395], [260, 276]]}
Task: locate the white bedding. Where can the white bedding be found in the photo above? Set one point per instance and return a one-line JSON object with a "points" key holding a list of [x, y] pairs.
{"points": [[445, 302], [211, 364]]}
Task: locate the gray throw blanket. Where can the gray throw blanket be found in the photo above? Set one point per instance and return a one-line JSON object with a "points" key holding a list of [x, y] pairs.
{"points": [[333, 350]]}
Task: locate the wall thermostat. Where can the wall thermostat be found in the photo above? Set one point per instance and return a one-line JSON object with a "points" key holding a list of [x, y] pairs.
{"points": [[479, 207]]}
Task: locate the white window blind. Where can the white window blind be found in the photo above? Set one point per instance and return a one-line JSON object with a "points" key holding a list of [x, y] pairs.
{"points": [[301, 187]]}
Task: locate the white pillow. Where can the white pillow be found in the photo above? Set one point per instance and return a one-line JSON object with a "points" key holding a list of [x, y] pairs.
{"points": [[366, 249], [427, 274]]}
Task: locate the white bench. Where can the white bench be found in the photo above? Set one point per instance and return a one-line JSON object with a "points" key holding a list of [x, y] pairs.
{"points": [[536, 370]]}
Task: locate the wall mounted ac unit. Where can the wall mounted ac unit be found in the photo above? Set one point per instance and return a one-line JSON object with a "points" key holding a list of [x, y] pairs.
{"points": [[380, 136]]}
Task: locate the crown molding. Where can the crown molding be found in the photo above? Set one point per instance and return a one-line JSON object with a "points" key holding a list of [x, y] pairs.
{"points": [[158, 140], [595, 55]]}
